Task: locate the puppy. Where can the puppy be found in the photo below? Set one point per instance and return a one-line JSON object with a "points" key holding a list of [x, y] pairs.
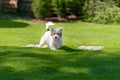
{"points": [[52, 37]]}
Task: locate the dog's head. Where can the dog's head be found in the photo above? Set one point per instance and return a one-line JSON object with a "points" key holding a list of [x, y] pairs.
{"points": [[56, 33]]}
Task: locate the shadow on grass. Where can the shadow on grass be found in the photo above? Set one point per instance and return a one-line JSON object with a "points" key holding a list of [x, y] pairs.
{"points": [[69, 49], [8, 23], [43, 64]]}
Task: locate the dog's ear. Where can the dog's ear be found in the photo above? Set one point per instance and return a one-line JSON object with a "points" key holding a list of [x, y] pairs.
{"points": [[61, 29], [61, 32]]}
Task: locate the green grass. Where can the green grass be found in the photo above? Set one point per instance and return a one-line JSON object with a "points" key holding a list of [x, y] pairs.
{"points": [[68, 63]]}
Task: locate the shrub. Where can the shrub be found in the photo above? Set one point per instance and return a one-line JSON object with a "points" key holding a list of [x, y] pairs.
{"points": [[41, 8], [62, 8], [103, 12], [76, 6], [59, 6]]}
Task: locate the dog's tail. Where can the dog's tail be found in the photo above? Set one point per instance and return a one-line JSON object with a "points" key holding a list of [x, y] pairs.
{"points": [[48, 24]]}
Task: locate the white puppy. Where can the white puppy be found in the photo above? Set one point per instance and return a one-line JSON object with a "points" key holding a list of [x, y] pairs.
{"points": [[53, 37]]}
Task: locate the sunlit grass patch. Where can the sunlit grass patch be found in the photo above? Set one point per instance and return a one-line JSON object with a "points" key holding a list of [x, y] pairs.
{"points": [[67, 63]]}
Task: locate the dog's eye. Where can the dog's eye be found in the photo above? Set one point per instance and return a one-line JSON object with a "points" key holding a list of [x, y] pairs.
{"points": [[58, 33]]}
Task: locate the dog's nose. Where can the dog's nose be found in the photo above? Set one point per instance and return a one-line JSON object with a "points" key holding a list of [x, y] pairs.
{"points": [[55, 36]]}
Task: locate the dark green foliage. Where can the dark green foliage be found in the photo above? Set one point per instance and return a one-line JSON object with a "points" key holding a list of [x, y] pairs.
{"points": [[67, 7], [100, 11], [62, 8], [59, 6], [41, 8], [76, 6]]}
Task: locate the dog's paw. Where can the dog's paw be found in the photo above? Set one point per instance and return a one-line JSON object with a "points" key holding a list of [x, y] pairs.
{"points": [[53, 48], [43, 46], [30, 45]]}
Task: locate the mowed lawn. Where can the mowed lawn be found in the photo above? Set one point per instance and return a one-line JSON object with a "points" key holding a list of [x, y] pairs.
{"points": [[68, 63]]}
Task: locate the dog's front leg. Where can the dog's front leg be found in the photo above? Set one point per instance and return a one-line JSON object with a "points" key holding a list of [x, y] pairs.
{"points": [[52, 46], [41, 43], [59, 43]]}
